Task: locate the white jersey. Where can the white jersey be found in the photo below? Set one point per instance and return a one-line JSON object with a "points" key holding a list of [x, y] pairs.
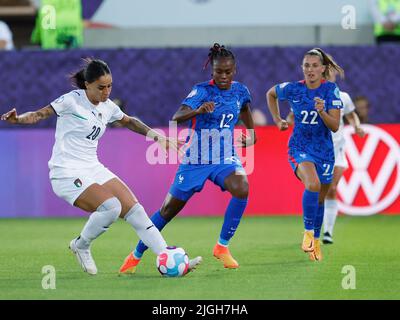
{"points": [[348, 107], [80, 125]]}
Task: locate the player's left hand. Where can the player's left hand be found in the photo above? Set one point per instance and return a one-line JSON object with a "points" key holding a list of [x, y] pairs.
{"points": [[168, 143], [246, 141], [359, 131], [319, 104]]}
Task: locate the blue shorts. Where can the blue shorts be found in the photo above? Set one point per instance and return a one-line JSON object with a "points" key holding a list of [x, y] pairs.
{"points": [[190, 178], [324, 168]]}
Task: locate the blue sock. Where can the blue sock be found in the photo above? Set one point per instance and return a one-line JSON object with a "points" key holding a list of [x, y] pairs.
{"points": [[232, 218], [319, 218], [160, 223], [310, 205]]}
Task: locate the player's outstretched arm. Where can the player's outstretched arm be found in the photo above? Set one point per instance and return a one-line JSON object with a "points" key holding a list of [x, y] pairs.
{"points": [[272, 102], [354, 121], [31, 117], [135, 125]]}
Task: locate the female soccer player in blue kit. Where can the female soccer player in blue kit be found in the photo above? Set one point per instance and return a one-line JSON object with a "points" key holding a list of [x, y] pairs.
{"points": [[212, 107], [316, 105]]}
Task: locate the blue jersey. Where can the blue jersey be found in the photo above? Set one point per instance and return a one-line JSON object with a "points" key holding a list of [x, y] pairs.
{"points": [[310, 134], [210, 139]]}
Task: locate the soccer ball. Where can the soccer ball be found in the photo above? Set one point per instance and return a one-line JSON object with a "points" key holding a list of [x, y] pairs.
{"points": [[173, 262]]}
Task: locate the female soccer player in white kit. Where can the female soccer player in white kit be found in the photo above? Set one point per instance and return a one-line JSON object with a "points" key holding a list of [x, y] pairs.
{"points": [[331, 206], [76, 174]]}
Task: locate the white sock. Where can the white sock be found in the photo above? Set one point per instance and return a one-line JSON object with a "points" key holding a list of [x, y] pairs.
{"points": [[145, 228], [331, 211], [99, 222]]}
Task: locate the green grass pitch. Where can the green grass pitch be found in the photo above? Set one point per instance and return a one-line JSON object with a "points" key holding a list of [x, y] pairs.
{"points": [[272, 266]]}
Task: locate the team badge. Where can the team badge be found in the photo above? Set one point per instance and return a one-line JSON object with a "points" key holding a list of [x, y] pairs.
{"points": [[337, 103]]}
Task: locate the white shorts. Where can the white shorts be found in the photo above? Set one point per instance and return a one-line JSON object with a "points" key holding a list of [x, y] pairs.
{"points": [[340, 156], [77, 181]]}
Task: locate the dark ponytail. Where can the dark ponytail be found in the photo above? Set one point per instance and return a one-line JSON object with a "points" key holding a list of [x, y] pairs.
{"points": [[217, 51], [328, 61], [93, 70], [78, 79]]}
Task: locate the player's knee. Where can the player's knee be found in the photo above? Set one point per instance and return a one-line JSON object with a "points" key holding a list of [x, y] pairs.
{"points": [[241, 191], [111, 208], [314, 186], [331, 194]]}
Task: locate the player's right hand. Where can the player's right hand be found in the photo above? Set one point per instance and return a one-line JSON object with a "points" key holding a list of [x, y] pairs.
{"points": [[282, 125], [206, 107], [10, 116], [359, 131]]}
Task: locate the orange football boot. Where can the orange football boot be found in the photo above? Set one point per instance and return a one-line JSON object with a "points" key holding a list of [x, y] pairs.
{"points": [[308, 241], [316, 255], [129, 265], [222, 253]]}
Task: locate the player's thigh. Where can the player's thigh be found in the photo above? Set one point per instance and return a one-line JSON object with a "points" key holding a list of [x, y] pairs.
{"points": [[120, 190], [337, 175], [307, 173], [171, 207], [92, 197]]}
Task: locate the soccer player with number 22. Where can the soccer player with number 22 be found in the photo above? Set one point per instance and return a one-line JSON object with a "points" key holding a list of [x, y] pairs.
{"points": [[316, 106]]}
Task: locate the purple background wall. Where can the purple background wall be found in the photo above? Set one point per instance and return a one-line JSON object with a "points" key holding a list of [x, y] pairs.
{"points": [[153, 82], [25, 188]]}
